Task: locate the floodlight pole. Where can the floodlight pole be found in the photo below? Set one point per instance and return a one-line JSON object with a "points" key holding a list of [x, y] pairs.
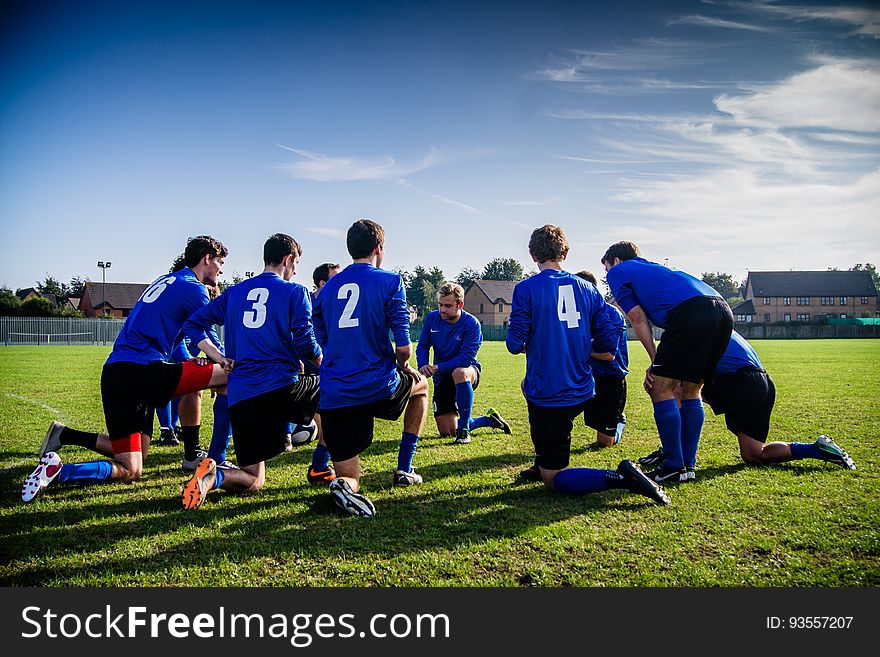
{"points": [[104, 267]]}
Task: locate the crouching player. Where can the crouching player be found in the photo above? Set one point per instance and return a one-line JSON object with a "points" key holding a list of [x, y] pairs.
{"points": [[557, 320], [456, 337], [268, 320], [743, 392]]}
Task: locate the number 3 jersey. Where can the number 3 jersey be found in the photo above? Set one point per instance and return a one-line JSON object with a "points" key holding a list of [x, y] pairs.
{"points": [[557, 317], [268, 321], [151, 330], [355, 314]]}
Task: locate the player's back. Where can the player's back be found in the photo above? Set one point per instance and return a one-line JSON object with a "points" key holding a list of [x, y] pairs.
{"points": [[619, 367], [739, 354], [267, 321], [151, 331], [654, 287], [355, 312], [555, 314]]}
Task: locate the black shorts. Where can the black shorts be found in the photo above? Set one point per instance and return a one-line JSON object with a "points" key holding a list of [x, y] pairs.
{"points": [[259, 424], [444, 393], [696, 335], [605, 411], [131, 392], [745, 398], [348, 431], [550, 428]]}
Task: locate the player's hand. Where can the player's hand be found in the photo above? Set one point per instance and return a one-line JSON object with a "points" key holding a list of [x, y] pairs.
{"points": [[412, 372], [426, 370], [227, 364], [649, 380]]}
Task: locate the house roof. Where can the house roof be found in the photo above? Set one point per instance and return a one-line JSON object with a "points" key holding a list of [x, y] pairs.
{"points": [[744, 308], [21, 294], [495, 290], [73, 301], [121, 296], [812, 283]]}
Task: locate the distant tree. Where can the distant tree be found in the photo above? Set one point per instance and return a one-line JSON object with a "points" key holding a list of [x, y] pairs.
{"points": [[467, 276], [76, 286], [422, 290], [51, 285], [405, 275], [38, 307], [724, 284], [868, 267], [10, 304], [503, 269]]}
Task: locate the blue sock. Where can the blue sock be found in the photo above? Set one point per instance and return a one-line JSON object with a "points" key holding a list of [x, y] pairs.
{"points": [[579, 481], [407, 451], [175, 416], [464, 399], [692, 416], [320, 458], [805, 451], [291, 427], [218, 479], [163, 414], [478, 422], [668, 421], [91, 472], [221, 431]]}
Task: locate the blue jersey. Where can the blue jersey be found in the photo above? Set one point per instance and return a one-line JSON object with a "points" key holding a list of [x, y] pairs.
{"points": [[657, 289], [151, 331], [455, 345], [619, 367], [739, 354], [187, 349], [353, 316], [268, 322], [559, 318]]}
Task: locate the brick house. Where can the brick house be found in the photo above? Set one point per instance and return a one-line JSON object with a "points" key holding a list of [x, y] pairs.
{"points": [[805, 296], [116, 299], [490, 301]]}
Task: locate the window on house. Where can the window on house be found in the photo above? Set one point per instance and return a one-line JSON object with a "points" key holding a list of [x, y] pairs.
{"points": [[481, 308], [864, 301], [766, 301], [786, 301], [827, 301], [803, 301], [787, 317], [766, 317], [803, 317], [844, 301], [842, 315], [501, 307]]}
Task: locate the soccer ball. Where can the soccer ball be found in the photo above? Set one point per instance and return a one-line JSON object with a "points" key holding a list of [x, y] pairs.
{"points": [[304, 433]]}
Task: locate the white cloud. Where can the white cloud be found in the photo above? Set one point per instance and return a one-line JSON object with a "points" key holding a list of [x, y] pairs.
{"points": [[838, 94], [546, 201], [707, 21], [325, 168], [865, 21]]}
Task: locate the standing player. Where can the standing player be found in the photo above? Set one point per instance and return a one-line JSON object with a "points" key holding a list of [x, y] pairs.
{"points": [[138, 376], [362, 376], [697, 323], [557, 320], [268, 321], [743, 392], [455, 336]]}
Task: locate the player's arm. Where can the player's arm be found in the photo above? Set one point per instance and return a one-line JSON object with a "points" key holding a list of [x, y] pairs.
{"points": [[302, 329], [397, 319], [471, 339], [642, 328], [196, 329], [423, 349], [520, 323]]}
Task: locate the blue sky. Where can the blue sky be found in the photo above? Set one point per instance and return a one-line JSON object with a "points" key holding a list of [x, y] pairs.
{"points": [[717, 135]]}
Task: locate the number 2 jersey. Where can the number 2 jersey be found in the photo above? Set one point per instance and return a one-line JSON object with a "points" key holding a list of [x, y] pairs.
{"points": [[151, 331], [268, 321], [558, 318], [355, 314]]}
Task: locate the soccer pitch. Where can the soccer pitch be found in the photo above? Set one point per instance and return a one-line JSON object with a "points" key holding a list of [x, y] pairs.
{"points": [[804, 523]]}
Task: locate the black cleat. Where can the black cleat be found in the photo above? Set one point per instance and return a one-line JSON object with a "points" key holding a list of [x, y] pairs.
{"points": [[638, 482], [167, 437], [462, 437], [653, 459], [531, 473], [667, 475]]}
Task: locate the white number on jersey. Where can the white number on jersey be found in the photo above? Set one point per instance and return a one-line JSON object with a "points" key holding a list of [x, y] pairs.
{"points": [[156, 289], [256, 317], [352, 292], [567, 308]]}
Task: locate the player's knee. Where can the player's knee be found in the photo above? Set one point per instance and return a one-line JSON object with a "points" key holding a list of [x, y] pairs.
{"points": [[753, 455], [257, 482], [459, 375], [420, 389], [131, 475], [604, 441]]}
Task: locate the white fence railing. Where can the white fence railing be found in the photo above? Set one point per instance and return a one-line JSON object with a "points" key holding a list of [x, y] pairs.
{"points": [[58, 330]]}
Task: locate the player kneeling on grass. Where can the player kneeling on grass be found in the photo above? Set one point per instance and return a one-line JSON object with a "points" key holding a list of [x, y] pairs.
{"points": [[743, 392], [558, 320], [362, 376], [268, 321], [138, 376], [456, 337]]}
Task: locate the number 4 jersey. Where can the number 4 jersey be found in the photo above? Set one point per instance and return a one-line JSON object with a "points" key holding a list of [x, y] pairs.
{"points": [[354, 314], [268, 321], [151, 330], [555, 317]]}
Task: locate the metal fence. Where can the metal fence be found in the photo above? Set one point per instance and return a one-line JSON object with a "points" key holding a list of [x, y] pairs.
{"points": [[58, 330]]}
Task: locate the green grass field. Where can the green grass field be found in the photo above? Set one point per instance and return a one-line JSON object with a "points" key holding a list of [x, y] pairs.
{"points": [[804, 523]]}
